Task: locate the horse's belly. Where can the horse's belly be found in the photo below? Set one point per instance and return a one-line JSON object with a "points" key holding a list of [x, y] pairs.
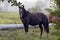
{"points": [[33, 23]]}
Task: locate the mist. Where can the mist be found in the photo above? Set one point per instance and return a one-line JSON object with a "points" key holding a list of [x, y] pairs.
{"points": [[27, 3]]}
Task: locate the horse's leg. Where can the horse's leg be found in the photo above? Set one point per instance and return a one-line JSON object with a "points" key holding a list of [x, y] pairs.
{"points": [[46, 27], [40, 25], [26, 28]]}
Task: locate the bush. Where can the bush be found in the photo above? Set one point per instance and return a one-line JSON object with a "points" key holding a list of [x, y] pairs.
{"points": [[57, 26]]}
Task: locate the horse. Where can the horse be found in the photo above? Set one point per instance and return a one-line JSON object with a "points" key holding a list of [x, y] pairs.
{"points": [[33, 19]]}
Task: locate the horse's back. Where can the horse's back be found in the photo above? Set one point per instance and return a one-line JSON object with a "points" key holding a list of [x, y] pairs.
{"points": [[40, 16], [36, 18]]}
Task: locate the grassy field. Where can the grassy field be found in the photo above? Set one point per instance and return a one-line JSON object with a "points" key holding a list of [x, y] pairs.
{"points": [[18, 34], [9, 18]]}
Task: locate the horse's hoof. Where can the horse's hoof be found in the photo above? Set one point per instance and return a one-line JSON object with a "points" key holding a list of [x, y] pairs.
{"points": [[40, 36], [47, 36]]}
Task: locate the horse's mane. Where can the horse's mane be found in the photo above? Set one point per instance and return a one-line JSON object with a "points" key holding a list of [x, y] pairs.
{"points": [[25, 11]]}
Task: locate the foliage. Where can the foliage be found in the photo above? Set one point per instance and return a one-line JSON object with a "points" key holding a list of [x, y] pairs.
{"points": [[57, 26], [56, 13], [49, 10], [57, 3], [14, 2]]}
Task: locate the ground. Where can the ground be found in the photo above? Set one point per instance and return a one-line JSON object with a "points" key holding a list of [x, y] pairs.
{"points": [[18, 34], [9, 18]]}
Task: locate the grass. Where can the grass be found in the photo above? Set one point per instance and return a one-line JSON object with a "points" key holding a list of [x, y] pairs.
{"points": [[18, 34], [9, 18]]}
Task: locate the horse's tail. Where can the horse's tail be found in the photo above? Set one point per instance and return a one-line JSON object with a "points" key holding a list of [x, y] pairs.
{"points": [[46, 24]]}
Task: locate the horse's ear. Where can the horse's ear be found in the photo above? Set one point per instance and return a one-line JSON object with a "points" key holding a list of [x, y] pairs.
{"points": [[19, 6], [23, 6]]}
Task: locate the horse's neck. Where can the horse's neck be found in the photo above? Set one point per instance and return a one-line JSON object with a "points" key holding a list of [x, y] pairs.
{"points": [[26, 12]]}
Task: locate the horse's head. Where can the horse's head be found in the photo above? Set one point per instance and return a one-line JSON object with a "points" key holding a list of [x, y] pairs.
{"points": [[21, 10], [21, 6]]}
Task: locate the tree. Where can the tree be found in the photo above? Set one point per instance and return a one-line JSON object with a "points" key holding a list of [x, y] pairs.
{"points": [[49, 10], [55, 13], [57, 2], [14, 2], [35, 9]]}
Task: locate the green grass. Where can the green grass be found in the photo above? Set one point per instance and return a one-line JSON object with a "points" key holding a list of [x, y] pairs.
{"points": [[9, 18], [18, 34]]}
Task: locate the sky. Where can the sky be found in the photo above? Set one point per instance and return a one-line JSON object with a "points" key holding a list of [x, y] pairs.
{"points": [[30, 3], [27, 3]]}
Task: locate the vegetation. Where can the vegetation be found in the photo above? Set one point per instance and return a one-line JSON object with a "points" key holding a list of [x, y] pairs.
{"points": [[18, 34], [9, 18], [14, 2], [56, 13]]}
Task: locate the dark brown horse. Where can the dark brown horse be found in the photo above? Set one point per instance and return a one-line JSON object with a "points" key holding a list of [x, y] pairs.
{"points": [[33, 19]]}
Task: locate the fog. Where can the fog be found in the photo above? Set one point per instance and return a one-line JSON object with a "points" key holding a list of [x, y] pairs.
{"points": [[27, 3]]}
